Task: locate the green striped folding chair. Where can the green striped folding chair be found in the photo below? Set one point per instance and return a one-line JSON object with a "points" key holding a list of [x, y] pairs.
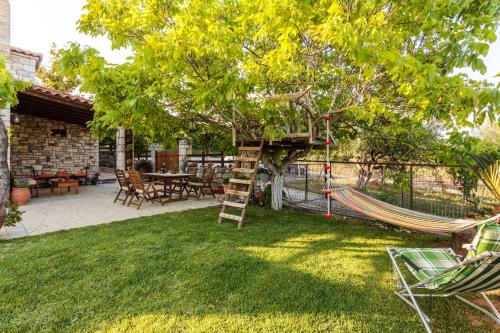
{"points": [[442, 273]]}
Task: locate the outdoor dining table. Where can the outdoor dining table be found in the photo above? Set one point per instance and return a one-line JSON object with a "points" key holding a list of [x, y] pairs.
{"points": [[168, 183]]}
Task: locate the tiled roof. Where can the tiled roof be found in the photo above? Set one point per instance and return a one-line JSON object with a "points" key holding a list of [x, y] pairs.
{"points": [[39, 56], [56, 94]]}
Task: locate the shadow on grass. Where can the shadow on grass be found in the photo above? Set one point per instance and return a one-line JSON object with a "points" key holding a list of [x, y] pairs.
{"points": [[287, 271]]}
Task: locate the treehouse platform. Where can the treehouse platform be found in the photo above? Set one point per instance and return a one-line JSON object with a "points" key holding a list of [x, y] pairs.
{"points": [[293, 140]]}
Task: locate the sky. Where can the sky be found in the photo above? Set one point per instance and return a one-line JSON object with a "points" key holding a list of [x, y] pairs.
{"points": [[36, 24]]}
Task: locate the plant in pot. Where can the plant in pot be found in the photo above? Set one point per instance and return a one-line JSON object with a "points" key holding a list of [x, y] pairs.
{"points": [[487, 167], [13, 216], [21, 193], [225, 184]]}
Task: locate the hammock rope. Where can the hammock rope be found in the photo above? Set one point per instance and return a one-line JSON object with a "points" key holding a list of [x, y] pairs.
{"points": [[399, 216], [386, 212]]}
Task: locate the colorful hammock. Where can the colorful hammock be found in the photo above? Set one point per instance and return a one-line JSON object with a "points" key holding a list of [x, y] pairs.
{"points": [[402, 217]]}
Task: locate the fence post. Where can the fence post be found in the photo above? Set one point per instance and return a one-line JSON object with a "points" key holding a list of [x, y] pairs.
{"points": [[222, 159], [464, 202], [155, 165], [307, 181], [411, 186]]}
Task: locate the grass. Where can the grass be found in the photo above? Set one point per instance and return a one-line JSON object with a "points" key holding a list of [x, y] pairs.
{"points": [[283, 272]]}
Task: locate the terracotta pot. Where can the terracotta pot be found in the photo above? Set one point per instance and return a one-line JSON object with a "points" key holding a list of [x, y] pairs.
{"points": [[497, 209], [21, 196], [225, 187]]}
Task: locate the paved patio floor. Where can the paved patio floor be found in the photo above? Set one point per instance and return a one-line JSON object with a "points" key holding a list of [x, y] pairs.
{"points": [[94, 205]]}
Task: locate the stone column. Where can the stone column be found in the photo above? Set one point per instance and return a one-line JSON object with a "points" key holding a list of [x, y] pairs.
{"points": [[5, 28], [120, 148], [5, 52], [185, 149]]}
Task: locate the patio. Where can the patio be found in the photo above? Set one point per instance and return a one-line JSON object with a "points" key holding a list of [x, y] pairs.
{"points": [[94, 205]]}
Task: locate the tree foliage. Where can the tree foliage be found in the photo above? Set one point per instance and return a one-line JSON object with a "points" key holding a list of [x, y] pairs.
{"points": [[218, 62], [365, 58], [53, 77]]}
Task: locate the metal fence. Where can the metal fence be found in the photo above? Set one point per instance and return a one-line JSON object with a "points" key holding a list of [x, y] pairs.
{"points": [[422, 187]]}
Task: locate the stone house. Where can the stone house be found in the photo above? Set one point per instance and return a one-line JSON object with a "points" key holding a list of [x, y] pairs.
{"points": [[48, 131]]}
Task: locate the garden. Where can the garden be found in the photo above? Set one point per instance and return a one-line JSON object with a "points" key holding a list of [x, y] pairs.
{"points": [[285, 271], [374, 99]]}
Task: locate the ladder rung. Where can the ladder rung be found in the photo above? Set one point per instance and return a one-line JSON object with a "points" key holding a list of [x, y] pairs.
{"points": [[231, 217], [234, 204], [249, 148], [246, 159], [240, 181], [243, 170], [234, 192]]}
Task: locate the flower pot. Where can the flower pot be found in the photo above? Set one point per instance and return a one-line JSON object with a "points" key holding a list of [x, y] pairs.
{"points": [[20, 196], [225, 187], [497, 209]]}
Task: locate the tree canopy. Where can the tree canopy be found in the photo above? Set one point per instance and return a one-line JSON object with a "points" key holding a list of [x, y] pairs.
{"points": [[53, 76], [365, 59], [217, 63]]}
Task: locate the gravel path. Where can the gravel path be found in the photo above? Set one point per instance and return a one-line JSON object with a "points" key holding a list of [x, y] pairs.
{"points": [[94, 205]]}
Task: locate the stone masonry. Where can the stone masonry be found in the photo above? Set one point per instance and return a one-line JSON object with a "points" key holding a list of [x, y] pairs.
{"points": [[33, 145], [23, 65]]}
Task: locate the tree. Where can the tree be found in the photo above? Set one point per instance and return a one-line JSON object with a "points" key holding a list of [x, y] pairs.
{"points": [[221, 61], [52, 76], [8, 97], [383, 143]]}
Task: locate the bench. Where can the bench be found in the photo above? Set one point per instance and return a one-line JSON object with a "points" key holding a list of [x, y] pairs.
{"points": [[59, 184]]}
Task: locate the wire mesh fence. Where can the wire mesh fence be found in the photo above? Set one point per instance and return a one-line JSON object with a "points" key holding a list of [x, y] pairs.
{"points": [[422, 187]]}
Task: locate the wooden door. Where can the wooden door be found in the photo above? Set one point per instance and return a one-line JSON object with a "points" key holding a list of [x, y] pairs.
{"points": [[168, 157]]}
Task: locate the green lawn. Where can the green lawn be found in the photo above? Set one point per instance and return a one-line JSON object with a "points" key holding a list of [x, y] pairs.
{"points": [[283, 272]]}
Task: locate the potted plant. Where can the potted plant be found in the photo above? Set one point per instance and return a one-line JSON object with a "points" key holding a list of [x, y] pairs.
{"points": [[12, 217], [21, 193], [225, 184], [487, 167]]}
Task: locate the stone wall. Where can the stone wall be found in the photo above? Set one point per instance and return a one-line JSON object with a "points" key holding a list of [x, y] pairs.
{"points": [[4, 28], [32, 144], [23, 66]]}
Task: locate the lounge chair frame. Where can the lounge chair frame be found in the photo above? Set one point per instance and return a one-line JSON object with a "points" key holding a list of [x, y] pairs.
{"points": [[408, 293]]}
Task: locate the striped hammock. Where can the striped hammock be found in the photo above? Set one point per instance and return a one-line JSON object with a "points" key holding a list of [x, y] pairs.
{"points": [[402, 217]]}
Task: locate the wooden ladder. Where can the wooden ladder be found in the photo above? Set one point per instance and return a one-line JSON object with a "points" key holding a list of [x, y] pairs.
{"points": [[246, 164]]}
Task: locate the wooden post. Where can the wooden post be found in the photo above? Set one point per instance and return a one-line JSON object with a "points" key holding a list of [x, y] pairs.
{"points": [[222, 159], [411, 186], [233, 129], [307, 181]]}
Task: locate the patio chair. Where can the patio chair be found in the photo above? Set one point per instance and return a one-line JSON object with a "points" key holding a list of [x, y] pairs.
{"points": [[142, 191], [180, 185], [199, 186], [124, 185], [442, 273]]}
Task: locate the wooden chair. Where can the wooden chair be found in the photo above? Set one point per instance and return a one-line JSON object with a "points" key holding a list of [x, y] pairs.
{"points": [[204, 183], [142, 191], [179, 185], [124, 184]]}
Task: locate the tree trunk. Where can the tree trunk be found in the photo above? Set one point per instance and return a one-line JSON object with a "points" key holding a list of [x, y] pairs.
{"points": [[364, 176], [4, 172], [277, 161], [277, 190]]}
